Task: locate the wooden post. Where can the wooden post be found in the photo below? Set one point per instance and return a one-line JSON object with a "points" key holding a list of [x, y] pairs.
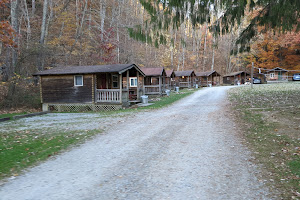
{"points": [[207, 77], [127, 84], [252, 68], [41, 89], [93, 88], [121, 85], [143, 83], [159, 80], [137, 86]]}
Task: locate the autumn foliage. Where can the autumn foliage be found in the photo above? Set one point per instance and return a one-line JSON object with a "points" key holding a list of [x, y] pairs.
{"points": [[6, 31], [272, 51]]}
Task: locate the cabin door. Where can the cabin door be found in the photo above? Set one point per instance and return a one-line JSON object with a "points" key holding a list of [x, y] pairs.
{"points": [[279, 75], [101, 81]]}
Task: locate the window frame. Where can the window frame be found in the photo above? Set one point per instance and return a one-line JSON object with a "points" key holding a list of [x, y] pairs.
{"points": [[272, 75], [136, 82], [75, 80]]}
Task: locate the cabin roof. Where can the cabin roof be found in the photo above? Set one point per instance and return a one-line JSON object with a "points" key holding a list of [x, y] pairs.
{"points": [[119, 68], [169, 72], [277, 69], [235, 73], [184, 73], [153, 71], [208, 73]]}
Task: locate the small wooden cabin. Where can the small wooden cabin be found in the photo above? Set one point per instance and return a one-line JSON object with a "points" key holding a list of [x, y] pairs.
{"points": [[236, 78], [277, 75], [170, 79], [98, 87], [184, 79], [155, 78], [208, 78]]}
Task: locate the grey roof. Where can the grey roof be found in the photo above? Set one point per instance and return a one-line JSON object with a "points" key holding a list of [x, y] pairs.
{"points": [[208, 73], [235, 73], [119, 68], [277, 69], [184, 73], [153, 71]]}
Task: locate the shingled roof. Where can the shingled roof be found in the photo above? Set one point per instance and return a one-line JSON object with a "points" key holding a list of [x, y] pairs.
{"points": [[235, 73], [119, 68], [153, 71], [208, 73], [169, 72], [277, 69], [184, 73]]}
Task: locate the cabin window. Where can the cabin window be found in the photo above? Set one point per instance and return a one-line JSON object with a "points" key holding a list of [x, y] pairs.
{"points": [[272, 75], [133, 82], [115, 81], [78, 80]]}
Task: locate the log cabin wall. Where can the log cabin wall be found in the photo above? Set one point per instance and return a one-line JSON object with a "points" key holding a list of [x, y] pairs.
{"points": [[61, 89]]}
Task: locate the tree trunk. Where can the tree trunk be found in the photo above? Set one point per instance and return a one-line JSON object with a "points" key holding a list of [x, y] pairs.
{"points": [[102, 16], [204, 50], [15, 25], [40, 60], [33, 8]]}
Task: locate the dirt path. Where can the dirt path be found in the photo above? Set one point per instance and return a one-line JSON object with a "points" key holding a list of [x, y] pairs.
{"points": [[189, 150]]}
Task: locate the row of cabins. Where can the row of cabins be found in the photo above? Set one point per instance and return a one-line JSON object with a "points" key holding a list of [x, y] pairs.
{"points": [[271, 76], [110, 87]]}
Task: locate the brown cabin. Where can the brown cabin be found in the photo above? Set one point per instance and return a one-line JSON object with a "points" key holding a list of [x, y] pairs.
{"points": [[208, 78], [96, 87], [236, 78], [277, 75], [170, 79], [184, 79], [155, 79]]}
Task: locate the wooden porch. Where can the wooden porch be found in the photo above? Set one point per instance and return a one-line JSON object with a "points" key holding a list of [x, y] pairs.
{"points": [[108, 95]]}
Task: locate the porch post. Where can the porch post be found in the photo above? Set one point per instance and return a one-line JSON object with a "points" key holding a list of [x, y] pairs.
{"points": [[159, 80], [93, 88], [143, 84], [127, 84], [137, 86], [207, 77], [121, 85]]}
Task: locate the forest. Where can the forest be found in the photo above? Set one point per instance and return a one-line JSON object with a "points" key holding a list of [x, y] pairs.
{"points": [[200, 35]]}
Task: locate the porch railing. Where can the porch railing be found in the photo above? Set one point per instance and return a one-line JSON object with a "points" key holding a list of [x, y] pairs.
{"points": [[184, 84], [151, 89], [108, 95]]}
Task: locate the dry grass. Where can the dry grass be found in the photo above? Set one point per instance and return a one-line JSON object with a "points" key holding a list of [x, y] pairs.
{"points": [[271, 114]]}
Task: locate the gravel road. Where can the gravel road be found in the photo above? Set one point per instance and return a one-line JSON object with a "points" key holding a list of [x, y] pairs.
{"points": [[189, 150]]}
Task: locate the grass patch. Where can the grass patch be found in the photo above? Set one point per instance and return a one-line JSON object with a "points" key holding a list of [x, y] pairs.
{"points": [[22, 149], [271, 116], [168, 100], [10, 115]]}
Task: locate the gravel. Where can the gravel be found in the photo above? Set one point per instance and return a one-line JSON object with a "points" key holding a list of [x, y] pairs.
{"points": [[189, 150]]}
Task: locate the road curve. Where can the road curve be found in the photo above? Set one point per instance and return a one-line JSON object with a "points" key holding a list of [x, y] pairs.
{"points": [[189, 150]]}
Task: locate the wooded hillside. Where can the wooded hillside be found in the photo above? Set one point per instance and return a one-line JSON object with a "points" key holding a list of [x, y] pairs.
{"points": [[41, 34]]}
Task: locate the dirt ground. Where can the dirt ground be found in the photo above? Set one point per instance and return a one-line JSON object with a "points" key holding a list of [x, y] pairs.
{"points": [[189, 150]]}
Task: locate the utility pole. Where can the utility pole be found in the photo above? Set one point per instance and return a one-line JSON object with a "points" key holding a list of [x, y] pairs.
{"points": [[252, 68]]}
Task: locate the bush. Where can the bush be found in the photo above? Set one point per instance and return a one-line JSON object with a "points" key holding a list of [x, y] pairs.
{"points": [[19, 93]]}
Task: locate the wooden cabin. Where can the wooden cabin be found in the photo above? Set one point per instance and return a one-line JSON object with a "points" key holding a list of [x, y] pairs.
{"points": [[184, 79], [236, 78], [170, 79], [276, 75], [155, 79], [98, 87], [208, 78]]}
